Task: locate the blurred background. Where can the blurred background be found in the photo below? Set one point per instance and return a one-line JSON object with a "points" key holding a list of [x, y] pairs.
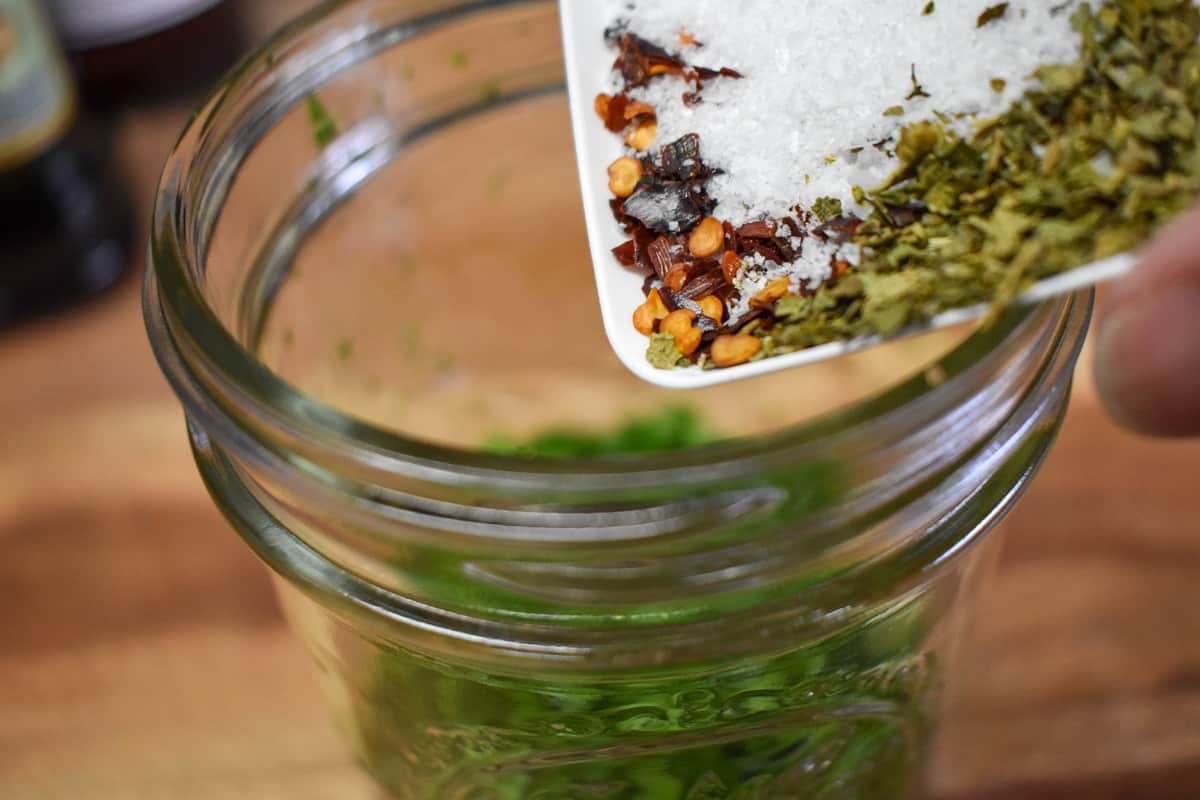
{"points": [[141, 651]]}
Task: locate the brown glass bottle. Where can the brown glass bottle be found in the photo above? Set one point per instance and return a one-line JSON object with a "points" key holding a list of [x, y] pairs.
{"points": [[63, 222]]}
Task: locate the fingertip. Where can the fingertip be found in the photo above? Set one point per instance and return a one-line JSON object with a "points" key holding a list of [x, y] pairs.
{"points": [[1147, 364]]}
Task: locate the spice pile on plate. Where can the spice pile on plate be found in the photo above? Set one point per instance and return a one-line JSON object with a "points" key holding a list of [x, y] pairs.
{"points": [[825, 171]]}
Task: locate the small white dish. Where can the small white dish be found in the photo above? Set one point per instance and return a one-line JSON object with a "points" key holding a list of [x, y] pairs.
{"points": [[589, 63]]}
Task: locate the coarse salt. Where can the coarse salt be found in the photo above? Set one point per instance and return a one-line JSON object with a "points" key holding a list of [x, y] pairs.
{"points": [[819, 77]]}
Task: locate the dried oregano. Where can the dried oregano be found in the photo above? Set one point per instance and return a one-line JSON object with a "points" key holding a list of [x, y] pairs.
{"points": [[1086, 165]]}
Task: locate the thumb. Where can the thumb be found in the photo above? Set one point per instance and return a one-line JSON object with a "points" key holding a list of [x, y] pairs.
{"points": [[1148, 343]]}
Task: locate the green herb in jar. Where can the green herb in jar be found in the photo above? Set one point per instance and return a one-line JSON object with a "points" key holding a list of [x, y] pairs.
{"points": [[840, 717], [324, 126], [673, 429]]}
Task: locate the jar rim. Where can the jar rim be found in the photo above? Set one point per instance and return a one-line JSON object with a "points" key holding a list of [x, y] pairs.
{"points": [[214, 374]]}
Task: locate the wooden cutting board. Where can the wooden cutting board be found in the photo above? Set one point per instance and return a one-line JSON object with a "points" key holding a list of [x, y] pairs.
{"points": [[142, 654]]}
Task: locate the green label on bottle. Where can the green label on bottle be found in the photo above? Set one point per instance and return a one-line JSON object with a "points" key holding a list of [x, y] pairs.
{"points": [[37, 98]]}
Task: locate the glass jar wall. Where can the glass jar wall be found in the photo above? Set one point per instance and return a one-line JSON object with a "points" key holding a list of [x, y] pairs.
{"points": [[370, 289]]}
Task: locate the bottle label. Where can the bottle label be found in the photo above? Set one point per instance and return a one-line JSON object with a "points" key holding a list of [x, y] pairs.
{"points": [[37, 97]]}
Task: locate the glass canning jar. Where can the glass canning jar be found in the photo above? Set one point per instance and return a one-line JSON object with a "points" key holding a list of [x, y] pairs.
{"points": [[360, 328]]}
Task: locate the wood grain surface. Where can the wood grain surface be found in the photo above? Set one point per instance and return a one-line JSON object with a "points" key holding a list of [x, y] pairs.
{"points": [[142, 654]]}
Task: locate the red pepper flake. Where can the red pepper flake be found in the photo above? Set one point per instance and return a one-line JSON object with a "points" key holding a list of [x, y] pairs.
{"points": [[626, 254], [731, 265], [704, 284], [661, 256], [615, 120], [636, 108], [677, 277], [639, 60], [763, 229]]}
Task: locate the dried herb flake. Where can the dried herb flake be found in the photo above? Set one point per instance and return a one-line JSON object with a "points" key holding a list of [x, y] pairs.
{"points": [[827, 208], [991, 14]]}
